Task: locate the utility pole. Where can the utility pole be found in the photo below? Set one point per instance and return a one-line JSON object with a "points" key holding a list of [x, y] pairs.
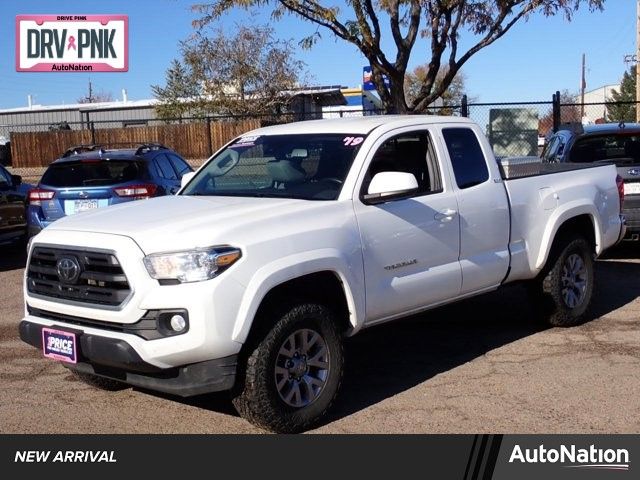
{"points": [[583, 84], [637, 58], [90, 96]]}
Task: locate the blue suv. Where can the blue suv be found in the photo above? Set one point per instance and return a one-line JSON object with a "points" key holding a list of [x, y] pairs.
{"points": [[91, 176]]}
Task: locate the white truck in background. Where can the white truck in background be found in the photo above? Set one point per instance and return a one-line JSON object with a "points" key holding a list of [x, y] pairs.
{"points": [[294, 236]]}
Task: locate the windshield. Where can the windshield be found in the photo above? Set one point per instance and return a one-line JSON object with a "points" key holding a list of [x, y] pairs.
{"points": [[92, 173], [310, 167]]}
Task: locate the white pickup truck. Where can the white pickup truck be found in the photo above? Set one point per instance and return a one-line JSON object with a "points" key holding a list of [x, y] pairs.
{"points": [[292, 237]]}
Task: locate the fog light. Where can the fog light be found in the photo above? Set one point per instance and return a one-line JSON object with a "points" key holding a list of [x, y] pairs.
{"points": [[178, 323]]}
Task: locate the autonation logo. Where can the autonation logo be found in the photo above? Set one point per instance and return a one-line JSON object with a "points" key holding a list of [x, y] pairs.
{"points": [[573, 457]]}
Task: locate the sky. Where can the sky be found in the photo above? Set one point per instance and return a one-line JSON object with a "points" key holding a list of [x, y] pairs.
{"points": [[529, 63]]}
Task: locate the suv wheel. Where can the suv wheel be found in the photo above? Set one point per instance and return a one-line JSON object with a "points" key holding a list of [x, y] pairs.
{"points": [[566, 289], [292, 373]]}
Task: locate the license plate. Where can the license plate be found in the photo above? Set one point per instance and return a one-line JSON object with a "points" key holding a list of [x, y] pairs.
{"points": [[84, 205], [59, 345], [632, 188]]}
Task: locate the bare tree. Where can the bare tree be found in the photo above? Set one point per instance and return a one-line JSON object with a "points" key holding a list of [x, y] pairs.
{"points": [[363, 22], [95, 97]]}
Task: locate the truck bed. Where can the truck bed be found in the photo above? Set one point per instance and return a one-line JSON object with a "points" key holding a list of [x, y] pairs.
{"points": [[523, 167], [543, 195]]}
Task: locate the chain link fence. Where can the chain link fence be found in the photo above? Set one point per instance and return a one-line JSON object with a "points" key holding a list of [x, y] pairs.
{"points": [[513, 128]]}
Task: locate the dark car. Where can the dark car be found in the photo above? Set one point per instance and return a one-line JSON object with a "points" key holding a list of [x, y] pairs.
{"points": [[91, 176], [617, 143], [13, 218]]}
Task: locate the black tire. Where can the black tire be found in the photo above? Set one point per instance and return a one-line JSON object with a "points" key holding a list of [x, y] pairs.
{"points": [[258, 396], [563, 302], [99, 382]]}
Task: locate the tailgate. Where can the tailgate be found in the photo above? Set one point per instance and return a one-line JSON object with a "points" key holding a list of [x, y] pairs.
{"points": [[631, 207]]}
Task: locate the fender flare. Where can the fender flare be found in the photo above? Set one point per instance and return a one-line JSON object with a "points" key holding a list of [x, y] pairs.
{"points": [[559, 218], [294, 266]]}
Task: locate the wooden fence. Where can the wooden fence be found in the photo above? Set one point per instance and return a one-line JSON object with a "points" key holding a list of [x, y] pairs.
{"points": [[191, 140]]}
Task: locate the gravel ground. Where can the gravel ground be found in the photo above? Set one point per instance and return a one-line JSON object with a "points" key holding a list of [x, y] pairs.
{"points": [[481, 366]]}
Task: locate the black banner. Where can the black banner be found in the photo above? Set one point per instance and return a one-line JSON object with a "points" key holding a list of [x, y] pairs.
{"points": [[464, 457]]}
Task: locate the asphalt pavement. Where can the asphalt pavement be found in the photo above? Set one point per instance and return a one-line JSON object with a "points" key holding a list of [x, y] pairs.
{"points": [[481, 366]]}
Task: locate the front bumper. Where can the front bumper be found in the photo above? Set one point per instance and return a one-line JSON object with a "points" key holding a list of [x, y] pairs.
{"points": [[212, 306], [116, 359]]}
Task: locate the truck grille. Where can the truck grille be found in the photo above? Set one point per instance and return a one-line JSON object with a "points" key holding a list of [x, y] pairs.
{"points": [[86, 276]]}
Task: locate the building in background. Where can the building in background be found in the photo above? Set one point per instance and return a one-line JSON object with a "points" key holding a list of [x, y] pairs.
{"points": [[601, 95], [359, 102], [303, 104]]}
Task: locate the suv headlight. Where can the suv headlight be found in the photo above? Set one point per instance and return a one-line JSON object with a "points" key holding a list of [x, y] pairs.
{"points": [[192, 265]]}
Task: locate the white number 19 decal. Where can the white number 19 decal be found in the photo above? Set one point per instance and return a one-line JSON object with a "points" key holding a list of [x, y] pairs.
{"points": [[352, 141]]}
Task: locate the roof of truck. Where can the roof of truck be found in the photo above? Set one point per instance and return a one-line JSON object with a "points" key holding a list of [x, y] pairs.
{"points": [[360, 125]]}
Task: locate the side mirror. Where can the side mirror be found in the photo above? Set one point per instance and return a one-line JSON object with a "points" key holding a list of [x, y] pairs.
{"points": [[186, 178], [16, 179], [388, 185]]}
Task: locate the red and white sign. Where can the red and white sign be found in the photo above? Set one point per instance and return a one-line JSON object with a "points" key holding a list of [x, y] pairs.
{"points": [[72, 43]]}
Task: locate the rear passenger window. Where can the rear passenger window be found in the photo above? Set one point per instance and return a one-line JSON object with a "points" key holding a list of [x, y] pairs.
{"points": [[467, 159], [179, 165], [166, 170]]}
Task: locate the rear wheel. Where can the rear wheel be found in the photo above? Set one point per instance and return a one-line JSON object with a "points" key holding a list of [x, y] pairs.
{"points": [[293, 372], [565, 290]]}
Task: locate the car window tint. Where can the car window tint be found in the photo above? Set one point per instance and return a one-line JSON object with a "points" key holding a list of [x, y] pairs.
{"points": [[467, 159], [410, 153], [552, 150], [95, 173], [5, 176], [179, 165], [166, 170], [616, 148]]}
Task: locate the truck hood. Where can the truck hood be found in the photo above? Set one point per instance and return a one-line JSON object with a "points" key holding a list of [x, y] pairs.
{"points": [[175, 222]]}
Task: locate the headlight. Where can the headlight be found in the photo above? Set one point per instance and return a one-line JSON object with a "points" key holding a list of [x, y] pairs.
{"points": [[192, 265]]}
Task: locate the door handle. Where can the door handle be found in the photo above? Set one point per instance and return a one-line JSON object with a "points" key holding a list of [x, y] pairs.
{"points": [[446, 215]]}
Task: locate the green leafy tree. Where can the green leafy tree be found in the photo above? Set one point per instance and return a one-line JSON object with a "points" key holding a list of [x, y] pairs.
{"points": [[442, 22], [247, 73], [180, 94], [621, 112]]}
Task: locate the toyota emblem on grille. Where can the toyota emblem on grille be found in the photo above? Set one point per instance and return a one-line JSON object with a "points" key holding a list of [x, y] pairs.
{"points": [[68, 269], [634, 171]]}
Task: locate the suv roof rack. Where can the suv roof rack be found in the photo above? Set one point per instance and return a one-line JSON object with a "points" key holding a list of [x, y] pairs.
{"points": [[140, 147], [145, 147], [78, 149]]}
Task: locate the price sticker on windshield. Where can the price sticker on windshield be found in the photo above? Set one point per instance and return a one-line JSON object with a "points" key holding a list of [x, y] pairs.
{"points": [[247, 141], [352, 141]]}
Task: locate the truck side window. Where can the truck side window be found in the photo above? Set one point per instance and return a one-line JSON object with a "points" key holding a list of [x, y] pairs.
{"points": [[410, 153], [467, 159]]}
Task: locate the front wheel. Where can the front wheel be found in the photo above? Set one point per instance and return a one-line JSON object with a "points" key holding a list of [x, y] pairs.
{"points": [[292, 374], [567, 287]]}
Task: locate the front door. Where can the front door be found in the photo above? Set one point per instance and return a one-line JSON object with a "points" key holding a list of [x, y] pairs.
{"points": [[410, 244]]}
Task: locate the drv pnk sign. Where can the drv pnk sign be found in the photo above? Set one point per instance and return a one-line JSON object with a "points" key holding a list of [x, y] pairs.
{"points": [[72, 43]]}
